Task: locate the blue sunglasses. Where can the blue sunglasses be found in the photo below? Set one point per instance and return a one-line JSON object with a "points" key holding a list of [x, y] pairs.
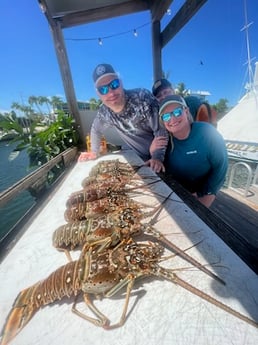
{"points": [[176, 112], [113, 85]]}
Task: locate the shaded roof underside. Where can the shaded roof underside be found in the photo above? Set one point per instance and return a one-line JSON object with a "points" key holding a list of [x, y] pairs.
{"points": [[76, 12]]}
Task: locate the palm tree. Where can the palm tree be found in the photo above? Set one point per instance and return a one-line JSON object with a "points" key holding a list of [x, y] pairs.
{"points": [[55, 102], [181, 90], [94, 104], [44, 100], [34, 100]]}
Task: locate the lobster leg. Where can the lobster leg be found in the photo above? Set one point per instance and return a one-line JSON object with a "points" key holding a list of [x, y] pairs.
{"points": [[102, 320], [130, 282]]}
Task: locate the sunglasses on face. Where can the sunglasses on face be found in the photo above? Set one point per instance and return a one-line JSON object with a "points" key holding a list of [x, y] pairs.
{"points": [[176, 112], [113, 85]]}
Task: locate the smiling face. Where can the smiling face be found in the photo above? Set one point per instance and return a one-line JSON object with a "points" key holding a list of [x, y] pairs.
{"points": [[115, 98], [178, 126]]}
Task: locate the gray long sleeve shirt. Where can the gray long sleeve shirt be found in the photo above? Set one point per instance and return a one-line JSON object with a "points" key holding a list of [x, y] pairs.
{"points": [[137, 124]]}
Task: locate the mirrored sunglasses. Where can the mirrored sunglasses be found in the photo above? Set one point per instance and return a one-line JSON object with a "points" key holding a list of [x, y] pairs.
{"points": [[113, 85], [176, 113]]}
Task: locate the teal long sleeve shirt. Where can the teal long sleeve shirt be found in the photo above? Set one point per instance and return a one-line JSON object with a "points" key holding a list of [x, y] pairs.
{"points": [[200, 162]]}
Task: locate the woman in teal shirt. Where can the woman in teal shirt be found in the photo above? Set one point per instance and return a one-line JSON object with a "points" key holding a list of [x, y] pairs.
{"points": [[196, 153]]}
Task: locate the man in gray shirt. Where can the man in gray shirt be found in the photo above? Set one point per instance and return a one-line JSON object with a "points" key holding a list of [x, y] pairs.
{"points": [[133, 113]]}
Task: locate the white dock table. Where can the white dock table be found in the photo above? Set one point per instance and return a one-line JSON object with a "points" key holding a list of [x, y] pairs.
{"points": [[160, 312]]}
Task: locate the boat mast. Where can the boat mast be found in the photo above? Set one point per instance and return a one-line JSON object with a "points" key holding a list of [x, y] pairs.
{"points": [[250, 84]]}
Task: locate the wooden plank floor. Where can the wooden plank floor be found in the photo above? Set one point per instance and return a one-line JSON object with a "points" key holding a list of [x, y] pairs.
{"points": [[231, 218], [240, 212]]}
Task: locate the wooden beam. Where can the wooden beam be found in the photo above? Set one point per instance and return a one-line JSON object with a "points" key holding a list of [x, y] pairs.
{"points": [[102, 13], [62, 57], [186, 12], [66, 75], [156, 51], [159, 8]]}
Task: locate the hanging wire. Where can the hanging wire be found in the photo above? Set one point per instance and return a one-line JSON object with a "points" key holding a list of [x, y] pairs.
{"points": [[100, 39]]}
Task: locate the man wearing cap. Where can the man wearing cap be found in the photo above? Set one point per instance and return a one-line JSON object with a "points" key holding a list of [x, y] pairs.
{"points": [[162, 88], [200, 110], [196, 153], [133, 113]]}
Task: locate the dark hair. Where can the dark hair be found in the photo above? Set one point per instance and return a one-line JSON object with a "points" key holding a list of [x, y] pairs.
{"points": [[159, 85]]}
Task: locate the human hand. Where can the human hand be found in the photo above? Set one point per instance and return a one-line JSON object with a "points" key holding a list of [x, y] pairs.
{"points": [[156, 165], [158, 143], [85, 156], [206, 200]]}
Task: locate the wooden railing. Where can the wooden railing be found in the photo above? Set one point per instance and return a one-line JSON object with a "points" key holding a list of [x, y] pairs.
{"points": [[36, 181]]}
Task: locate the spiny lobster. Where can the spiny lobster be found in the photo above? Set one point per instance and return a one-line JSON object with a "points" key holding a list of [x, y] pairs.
{"points": [[101, 189], [116, 172], [107, 181], [85, 210], [102, 273], [116, 167], [113, 228]]}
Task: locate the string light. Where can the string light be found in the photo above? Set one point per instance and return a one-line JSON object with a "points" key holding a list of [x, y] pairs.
{"points": [[169, 12], [100, 39]]}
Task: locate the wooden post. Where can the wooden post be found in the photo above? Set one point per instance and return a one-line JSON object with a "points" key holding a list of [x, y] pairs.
{"points": [[156, 51], [66, 73]]}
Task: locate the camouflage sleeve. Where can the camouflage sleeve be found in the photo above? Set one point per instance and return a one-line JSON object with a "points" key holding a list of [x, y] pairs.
{"points": [[158, 130], [97, 129]]}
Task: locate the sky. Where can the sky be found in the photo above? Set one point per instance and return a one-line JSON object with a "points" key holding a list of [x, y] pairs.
{"points": [[209, 53]]}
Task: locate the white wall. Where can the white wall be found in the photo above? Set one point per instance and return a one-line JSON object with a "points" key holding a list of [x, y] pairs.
{"points": [[87, 117]]}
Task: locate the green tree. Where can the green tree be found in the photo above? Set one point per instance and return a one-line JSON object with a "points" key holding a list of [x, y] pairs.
{"points": [[181, 90], [34, 101], [94, 104], [25, 110], [221, 107], [56, 102], [42, 100]]}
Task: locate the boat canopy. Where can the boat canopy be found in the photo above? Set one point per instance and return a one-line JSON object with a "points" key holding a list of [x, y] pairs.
{"points": [[65, 14]]}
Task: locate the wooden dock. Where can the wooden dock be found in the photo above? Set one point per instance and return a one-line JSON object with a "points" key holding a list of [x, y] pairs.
{"points": [[240, 212], [232, 217], [174, 312]]}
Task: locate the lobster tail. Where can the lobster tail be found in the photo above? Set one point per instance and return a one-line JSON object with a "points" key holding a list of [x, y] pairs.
{"points": [[21, 313], [60, 283]]}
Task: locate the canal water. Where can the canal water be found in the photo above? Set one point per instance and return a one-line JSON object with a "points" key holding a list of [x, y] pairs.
{"points": [[12, 171]]}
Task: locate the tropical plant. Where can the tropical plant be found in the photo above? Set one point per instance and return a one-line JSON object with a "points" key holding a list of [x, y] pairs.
{"points": [[56, 138], [42, 143]]}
